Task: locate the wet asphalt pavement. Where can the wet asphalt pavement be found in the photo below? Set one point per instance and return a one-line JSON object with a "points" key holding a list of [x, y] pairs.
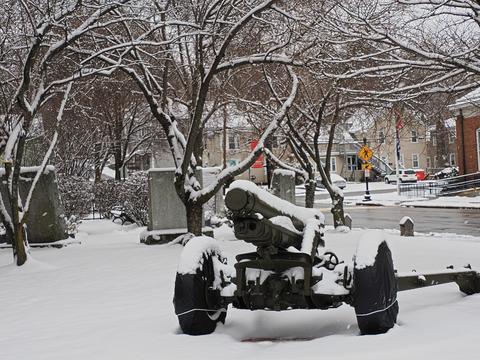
{"points": [[459, 221]]}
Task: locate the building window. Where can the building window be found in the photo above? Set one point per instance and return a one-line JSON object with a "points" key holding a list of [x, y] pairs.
{"points": [[414, 138], [429, 164], [381, 136], [352, 162], [478, 151], [451, 159], [415, 163], [434, 139], [333, 164], [435, 161], [275, 141], [451, 136], [233, 142]]}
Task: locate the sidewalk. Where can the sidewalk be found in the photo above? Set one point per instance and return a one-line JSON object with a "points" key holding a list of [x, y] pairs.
{"points": [[392, 199]]}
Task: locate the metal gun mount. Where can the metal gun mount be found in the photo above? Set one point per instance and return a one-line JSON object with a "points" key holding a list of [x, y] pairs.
{"points": [[291, 270]]}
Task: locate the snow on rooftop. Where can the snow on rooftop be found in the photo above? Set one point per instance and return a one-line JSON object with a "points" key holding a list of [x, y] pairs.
{"points": [[472, 98]]}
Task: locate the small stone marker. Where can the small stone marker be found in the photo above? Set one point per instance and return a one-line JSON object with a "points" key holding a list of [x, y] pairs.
{"points": [[348, 221], [283, 184], [406, 226]]}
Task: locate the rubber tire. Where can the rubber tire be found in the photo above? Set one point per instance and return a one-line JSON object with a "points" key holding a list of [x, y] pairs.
{"points": [[387, 181], [191, 293], [375, 294]]}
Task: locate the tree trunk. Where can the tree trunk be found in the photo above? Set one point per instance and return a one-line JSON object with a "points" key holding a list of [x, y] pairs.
{"points": [[118, 148], [309, 193], [19, 245], [97, 163], [18, 240], [337, 210], [194, 218], [118, 171]]}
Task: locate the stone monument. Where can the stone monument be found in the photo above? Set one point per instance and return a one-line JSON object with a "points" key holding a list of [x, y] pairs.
{"points": [[406, 226], [167, 215], [283, 184], [46, 221]]}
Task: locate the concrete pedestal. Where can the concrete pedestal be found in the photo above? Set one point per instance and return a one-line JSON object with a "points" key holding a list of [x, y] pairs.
{"points": [[167, 215], [283, 185]]}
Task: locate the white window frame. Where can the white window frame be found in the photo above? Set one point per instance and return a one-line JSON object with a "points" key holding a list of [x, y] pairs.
{"points": [[452, 136], [478, 150], [417, 161], [275, 141], [236, 141], [451, 157], [353, 163], [333, 164], [414, 136], [381, 137]]}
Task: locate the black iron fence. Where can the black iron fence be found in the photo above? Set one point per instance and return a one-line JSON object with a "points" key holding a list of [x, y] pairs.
{"points": [[443, 187]]}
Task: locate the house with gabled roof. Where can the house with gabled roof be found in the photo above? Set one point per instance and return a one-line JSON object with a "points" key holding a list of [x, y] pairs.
{"points": [[467, 111]]}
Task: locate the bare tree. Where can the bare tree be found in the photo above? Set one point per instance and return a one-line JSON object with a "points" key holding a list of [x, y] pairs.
{"points": [[43, 69], [184, 56]]}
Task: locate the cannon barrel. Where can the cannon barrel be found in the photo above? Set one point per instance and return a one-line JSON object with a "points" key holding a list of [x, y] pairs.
{"points": [[243, 203], [264, 233]]}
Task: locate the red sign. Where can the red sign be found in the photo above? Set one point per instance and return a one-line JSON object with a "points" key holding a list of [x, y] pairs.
{"points": [[259, 163]]}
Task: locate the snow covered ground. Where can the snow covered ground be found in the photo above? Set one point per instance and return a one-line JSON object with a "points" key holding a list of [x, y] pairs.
{"points": [[111, 298]]}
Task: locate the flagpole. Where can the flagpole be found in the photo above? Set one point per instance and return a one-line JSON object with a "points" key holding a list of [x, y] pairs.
{"points": [[396, 120], [396, 161]]}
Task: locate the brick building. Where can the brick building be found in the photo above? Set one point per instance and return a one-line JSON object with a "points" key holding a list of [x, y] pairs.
{"points": [[467, 111]]}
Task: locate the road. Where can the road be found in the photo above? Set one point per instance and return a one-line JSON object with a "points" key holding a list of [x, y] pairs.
{"points": [[459, 221], [324, 195]]}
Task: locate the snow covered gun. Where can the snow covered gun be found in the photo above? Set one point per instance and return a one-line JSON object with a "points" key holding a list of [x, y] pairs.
{"points": [[291, 269], [251, 214]]}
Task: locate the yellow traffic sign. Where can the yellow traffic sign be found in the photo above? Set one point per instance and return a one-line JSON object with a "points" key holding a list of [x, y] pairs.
{"points": [[365, 153], [367, 166]]}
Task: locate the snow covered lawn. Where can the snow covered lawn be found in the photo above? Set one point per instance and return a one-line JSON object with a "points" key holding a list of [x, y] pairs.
{"points": [[111, 298]]}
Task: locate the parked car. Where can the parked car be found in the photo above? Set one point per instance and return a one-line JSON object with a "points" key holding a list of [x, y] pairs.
{"points": [[336, 180], [448, 172], [406, 175]]}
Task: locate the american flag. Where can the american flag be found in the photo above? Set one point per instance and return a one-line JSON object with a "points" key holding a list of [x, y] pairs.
{"points": [[399, 124], [398, 144]]}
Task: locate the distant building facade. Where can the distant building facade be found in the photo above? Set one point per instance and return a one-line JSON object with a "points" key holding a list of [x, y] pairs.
{"points": [[467, 111]]}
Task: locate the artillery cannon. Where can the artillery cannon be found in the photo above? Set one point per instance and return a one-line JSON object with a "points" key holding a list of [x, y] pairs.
{"points": [[291, 269]]}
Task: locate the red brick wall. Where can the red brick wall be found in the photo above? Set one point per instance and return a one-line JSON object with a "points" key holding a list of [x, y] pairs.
{"points": [[469, 145]]}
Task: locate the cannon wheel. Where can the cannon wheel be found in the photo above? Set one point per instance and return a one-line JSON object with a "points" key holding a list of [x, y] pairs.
{"points": [[194, 297], [375, 294]]}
